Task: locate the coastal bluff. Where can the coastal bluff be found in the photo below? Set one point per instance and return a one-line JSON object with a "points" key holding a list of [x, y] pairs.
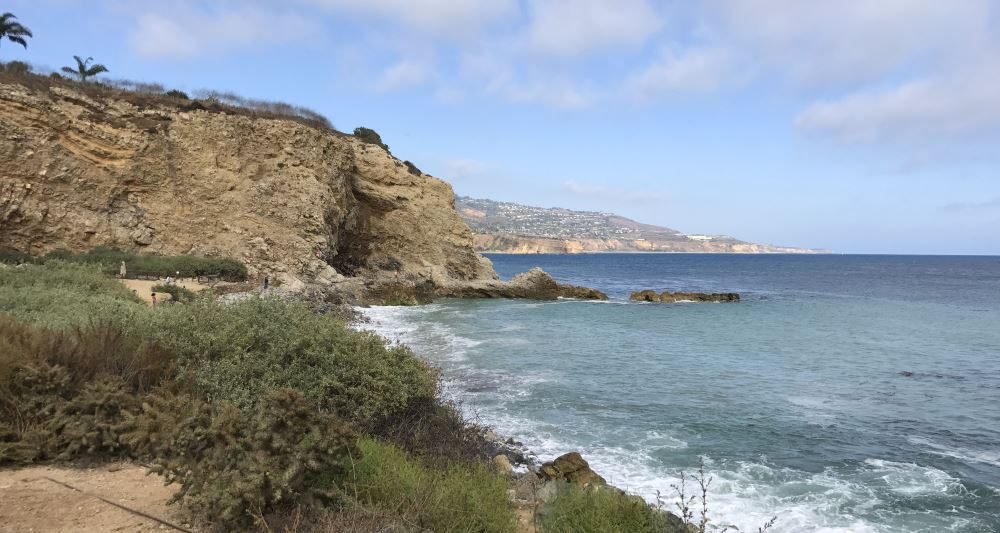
{"points": [[84, 167]]}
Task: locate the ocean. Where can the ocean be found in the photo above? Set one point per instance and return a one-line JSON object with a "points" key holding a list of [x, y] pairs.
{"points": [[843, 394]]}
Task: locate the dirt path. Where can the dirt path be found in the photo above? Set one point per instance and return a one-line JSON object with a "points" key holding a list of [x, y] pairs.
{"points": [[30, 501], [144, 288]]}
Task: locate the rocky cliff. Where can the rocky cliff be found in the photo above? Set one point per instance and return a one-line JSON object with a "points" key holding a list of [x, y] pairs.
{"points": [[307, 205]]}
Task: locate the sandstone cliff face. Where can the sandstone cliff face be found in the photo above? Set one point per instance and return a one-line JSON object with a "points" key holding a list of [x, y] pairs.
{"points": [[302, 204]]}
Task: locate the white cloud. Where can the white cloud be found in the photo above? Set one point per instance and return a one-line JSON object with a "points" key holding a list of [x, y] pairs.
{"points": [[822, 42], [453, 19], [925, 109], [610, 195], [460, 168], [573, 27], [695, 70], [187, 33], [404, 74]]}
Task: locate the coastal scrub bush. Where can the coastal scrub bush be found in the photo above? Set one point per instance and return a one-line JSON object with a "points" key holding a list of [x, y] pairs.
{"points": [[17, 68], [14, 257], [579, 510], [177, 293], [370, 136], [66, 393], [174, 93], [110, 259], [459, 498], [236, 352], [61, 295], [232, 463]]}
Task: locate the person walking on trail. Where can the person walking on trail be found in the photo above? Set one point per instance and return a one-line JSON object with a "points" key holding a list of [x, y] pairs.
{"points": [[122, 271], [153, 295]]}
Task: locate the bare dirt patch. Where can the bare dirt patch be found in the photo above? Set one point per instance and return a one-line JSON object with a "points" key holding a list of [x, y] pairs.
{"points": [[144, 288], [37, 499]]}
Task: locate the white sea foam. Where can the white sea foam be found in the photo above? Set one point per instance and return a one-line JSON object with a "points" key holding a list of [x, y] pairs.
{"points": [[745, 494], [910, 479], [990, 457]]}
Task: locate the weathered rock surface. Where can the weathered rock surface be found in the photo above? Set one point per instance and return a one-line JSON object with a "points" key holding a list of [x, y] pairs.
{"points": [[534, 284], [671, 297], [302, 204], [572, 468]]}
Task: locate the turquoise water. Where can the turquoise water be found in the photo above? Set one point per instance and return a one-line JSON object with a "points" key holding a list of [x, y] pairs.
{"points": [[845, 393]]}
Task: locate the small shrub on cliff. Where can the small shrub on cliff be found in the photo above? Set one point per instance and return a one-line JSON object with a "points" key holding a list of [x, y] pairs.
{"points": [[174, 93], [460, 498], [370, 136], [232, 463], [577, 510], [17, 68]]}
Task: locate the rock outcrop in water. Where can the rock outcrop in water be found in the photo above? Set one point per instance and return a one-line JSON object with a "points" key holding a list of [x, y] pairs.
{"points": [[672, 297]]}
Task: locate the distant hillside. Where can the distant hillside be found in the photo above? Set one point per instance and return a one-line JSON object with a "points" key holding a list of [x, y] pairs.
{"points": [[515, 228]]}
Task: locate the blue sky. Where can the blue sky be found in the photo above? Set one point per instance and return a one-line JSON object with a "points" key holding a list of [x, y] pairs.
{"points": [[851, 125]]}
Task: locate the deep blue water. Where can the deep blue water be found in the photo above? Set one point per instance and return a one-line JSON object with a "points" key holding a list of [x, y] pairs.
{"points": [[844, 393]]}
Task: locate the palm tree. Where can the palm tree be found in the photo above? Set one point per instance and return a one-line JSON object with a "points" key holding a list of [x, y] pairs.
{"points": [[13, 30], [84, 69]]}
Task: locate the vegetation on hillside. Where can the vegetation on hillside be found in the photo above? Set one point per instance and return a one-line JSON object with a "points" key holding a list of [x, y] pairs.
{"points": [[140, 266], [370, 136], [254, 408], [84, 70]]}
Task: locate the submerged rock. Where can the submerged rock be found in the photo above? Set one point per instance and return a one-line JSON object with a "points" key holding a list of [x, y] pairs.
{"points": [[671, 297]]}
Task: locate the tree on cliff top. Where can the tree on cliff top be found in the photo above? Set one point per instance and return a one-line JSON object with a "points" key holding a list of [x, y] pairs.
{"points": [[13, 30], [370, 136], [84, 69]]}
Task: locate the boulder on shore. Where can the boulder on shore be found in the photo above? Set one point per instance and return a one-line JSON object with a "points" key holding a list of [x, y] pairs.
{"points": [[572, 468], [671, 297], [534, 284]]}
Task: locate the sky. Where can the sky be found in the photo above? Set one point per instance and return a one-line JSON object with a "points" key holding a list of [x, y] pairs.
{"points": [[849, 125]]}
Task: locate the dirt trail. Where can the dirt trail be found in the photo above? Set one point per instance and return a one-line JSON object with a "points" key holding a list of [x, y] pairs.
{"points": [[144, 288], [30, 501]]}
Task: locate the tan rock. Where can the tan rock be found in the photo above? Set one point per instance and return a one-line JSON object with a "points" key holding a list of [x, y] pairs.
{"points": [[280, 195], [502, 463], [571, 467]]}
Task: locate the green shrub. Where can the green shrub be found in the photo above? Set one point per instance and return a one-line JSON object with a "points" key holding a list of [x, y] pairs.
{"points": [[460, 498], [62, 295], [65, 393], [370, 136], [93, 422], [232, 463], [18, 68], [14, 257], [187, 266], [177, 293], [577, 510], [236, 352], [174, 93]]}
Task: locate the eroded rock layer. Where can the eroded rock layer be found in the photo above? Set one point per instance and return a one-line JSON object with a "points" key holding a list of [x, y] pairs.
{"points": [[303, 204]]}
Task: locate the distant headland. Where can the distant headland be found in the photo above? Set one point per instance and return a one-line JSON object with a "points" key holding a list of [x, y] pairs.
{"points": [[508, 227]]}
